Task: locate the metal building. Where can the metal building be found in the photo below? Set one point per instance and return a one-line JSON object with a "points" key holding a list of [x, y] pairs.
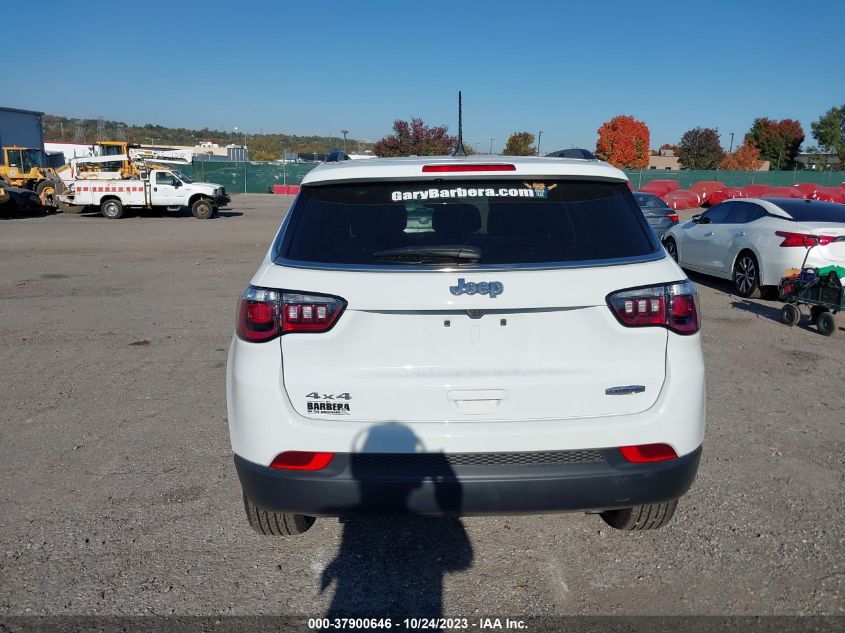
{"points": [[23, 128]]}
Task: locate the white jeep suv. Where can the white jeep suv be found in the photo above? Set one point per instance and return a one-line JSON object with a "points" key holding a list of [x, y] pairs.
{"points": [[522, 345]]}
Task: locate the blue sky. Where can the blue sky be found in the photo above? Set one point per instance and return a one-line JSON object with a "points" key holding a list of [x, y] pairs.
{"points": [[316, 66]]}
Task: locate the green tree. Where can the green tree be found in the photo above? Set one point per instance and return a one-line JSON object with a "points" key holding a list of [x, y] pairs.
{"points": [[519, 144], [778, 141], [829, 131], [261, 146], [415, 138], [700, 149]]}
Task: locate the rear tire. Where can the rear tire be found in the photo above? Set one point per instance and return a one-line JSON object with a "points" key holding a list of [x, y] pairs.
{"points": [[671, 248], [826, 324], [202, 209], [269, 523], [815, 311], [112, 209], [790, 314], [746, 276], [647, 517]]}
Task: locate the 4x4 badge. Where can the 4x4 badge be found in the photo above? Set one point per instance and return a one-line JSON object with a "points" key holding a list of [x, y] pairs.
{"points": [[492, 288]]}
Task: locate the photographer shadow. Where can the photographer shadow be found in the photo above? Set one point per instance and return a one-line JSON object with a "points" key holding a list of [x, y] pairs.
{"points": [[394, 565]]}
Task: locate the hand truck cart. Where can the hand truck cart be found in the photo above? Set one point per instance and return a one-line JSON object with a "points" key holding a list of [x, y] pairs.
{"points": [[823, 294]]}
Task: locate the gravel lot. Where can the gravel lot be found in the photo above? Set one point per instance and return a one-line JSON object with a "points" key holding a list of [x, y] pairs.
{"points": [[119, 495]]}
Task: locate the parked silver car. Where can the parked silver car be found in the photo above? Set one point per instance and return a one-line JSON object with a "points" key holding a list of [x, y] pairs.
{"points": [[659, 215]]}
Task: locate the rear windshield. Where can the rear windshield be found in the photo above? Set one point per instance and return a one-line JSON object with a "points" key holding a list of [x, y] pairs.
{"points": [[647, 201], [491, 223], [803, 211]]}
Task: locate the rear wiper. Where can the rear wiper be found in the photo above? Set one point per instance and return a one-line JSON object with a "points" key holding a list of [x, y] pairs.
{"points": [[431, 254]]}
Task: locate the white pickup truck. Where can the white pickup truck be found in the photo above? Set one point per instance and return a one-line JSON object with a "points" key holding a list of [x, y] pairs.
{"points": [[155, 188]]}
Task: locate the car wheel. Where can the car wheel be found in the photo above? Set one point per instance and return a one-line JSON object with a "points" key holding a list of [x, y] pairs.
{"points": [[826, 324], [747, 276], [648, 517], [671, 248], [276, 523], [790, 314], [112, 209], [202, 209]]}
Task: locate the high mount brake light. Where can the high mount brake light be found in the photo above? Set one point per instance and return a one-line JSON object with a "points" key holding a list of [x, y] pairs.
{"points": [[648, 453], [803, 239], [469, 167], [264, 314], [673, 306]]}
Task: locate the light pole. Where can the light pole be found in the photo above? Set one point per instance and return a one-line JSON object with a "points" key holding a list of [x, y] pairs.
{"points": [[344, 132], [491, 145], [539, 138], [732, 143], [475, 147]]}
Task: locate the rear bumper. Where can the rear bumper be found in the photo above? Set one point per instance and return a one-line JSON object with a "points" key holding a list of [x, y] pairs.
{"points": [[356, 484]]}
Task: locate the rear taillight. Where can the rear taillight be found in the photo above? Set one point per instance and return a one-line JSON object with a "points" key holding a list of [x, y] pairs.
{"points": [[644, 453], [301, 460], [804, 239], [673, 306], [264, 314], [673, 218]]}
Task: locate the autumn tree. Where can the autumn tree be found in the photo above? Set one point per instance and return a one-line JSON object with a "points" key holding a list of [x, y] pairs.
{"points": [[519, 144], [415, 138], [623, 142], [700, 149], [778, 141], [744, 158], [829, 131]]}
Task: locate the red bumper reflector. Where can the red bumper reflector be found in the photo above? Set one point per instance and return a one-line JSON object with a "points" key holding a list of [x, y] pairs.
{"points": [[301, 460], [648, 453], [470, 167]]}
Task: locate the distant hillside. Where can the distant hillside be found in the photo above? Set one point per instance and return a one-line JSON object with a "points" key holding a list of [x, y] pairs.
{"points": [[261, 146]]}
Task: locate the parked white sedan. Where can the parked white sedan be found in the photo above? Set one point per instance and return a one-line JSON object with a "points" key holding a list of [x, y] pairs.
{"points": [[754, 241]]}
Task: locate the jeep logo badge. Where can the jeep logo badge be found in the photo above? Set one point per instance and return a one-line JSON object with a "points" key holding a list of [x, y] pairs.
{"points": [[492, 288]]}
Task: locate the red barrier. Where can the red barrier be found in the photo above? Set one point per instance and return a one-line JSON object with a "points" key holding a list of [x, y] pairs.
{"points": [[704, 188], [808, 189], [755, 191], [660, 187], [782, 192], [680, 199], [728, 193], [831, 194], [286, 190]]}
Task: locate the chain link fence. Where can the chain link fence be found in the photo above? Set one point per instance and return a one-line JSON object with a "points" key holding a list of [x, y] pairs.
{"points": [[686, 178], [259, 177], [247, 177]]}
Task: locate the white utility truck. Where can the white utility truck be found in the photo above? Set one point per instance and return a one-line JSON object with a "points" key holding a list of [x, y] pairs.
{"points": [[154, 188]]}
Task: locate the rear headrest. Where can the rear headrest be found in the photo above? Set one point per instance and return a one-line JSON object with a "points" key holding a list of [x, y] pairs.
{"points": [[455, 219], [381, 220], [506, 218]]}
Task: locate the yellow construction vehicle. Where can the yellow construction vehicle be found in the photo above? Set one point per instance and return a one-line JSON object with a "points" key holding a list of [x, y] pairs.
{"points": [[26, 168], [129, 160]]}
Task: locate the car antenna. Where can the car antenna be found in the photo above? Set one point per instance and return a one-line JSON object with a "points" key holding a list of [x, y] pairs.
{"points": [[459, 149]]}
